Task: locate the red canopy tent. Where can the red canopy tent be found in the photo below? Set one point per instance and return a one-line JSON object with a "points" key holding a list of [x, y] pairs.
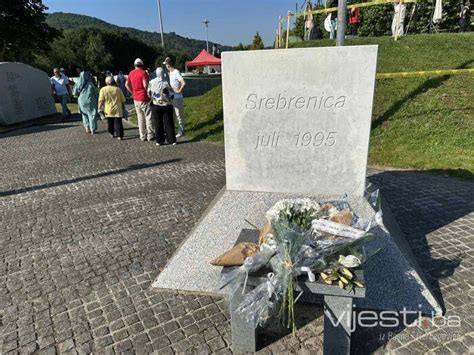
{"points": [[204, 58]]}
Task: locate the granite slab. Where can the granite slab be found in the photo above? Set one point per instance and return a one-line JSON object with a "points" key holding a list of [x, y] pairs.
{"points": [[392, 282]]}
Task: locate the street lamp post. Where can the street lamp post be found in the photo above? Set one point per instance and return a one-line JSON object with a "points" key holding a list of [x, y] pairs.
{"points": [[341, 22], [161, 25], [206, 25]]}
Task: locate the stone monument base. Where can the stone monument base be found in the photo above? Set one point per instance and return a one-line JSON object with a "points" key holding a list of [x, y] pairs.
{"points": [[394, 280]]}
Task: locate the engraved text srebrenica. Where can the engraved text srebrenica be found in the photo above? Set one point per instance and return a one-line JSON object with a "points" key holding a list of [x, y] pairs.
{"points": [[282, 102]]}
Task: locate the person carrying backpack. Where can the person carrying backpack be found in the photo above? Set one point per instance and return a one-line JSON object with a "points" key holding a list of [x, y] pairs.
{"points": [[162, 109]]}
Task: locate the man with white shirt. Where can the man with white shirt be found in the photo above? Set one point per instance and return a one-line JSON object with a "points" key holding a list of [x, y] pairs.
{"points": [[177, 83], [61, 88]]}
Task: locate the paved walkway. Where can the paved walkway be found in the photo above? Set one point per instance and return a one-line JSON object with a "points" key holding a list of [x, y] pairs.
{"points": [[88, 222]]}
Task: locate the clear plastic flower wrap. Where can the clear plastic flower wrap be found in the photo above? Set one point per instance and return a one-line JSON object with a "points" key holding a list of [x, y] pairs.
{"points": [[259, 305], [233, 279], [372, 194], [272, 295], [294, 252], [307, 238]]}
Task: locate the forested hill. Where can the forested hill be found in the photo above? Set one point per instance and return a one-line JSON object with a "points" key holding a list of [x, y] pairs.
{"points": [[62, 21]]}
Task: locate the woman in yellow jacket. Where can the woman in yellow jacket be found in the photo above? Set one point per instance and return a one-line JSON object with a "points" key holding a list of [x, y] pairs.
{"points": [[112, 104]]}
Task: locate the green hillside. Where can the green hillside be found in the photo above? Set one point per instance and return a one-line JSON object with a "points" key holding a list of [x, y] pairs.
{"points": [[173, 41], [421, 123]]}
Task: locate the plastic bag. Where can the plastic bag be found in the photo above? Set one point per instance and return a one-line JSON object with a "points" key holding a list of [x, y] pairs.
{"points": [[258, 306], [234, 278]]}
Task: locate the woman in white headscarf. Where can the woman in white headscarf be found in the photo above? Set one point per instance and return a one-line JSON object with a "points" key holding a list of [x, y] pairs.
{"points": [[162, 109]]}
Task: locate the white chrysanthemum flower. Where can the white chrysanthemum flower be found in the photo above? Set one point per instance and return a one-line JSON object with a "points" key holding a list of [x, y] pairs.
{"points": [[291, 206]]}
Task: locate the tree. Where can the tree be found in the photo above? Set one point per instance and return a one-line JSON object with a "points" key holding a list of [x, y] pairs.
{"points": [[257, 42], [377, 20], [239, 47], [23, 29], [298, 29], [94, 49], [97, 57], [180, 59]]}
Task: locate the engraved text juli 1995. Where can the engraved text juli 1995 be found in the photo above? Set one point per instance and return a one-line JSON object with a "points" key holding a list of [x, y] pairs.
{"points": [[307, 103]]}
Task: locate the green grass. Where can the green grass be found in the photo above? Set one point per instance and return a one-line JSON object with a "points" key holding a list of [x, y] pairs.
{"points": [[423, 123], [72, 108], [418, 123], [204, 117]]}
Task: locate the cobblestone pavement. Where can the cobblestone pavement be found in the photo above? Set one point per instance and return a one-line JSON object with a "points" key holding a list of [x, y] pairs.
{"points": [[88, 222]]}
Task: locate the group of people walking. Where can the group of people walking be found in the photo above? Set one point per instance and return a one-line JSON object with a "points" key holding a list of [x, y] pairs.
{"points": [[157, 102]]}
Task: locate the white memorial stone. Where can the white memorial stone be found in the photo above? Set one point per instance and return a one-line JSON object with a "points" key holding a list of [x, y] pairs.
{"points": [[297, 124], [298, 120], [25, 93]]}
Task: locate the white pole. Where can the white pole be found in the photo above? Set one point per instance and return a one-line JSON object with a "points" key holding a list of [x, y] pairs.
{"points": [[161, 25], [206, 24], [288, 28], [279, 32]]}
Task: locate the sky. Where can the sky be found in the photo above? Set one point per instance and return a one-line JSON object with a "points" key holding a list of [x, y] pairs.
{"points": [[231, 21]]}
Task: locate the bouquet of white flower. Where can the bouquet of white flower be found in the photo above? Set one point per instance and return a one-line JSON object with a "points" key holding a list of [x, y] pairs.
{"points": [[303, 237]]}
